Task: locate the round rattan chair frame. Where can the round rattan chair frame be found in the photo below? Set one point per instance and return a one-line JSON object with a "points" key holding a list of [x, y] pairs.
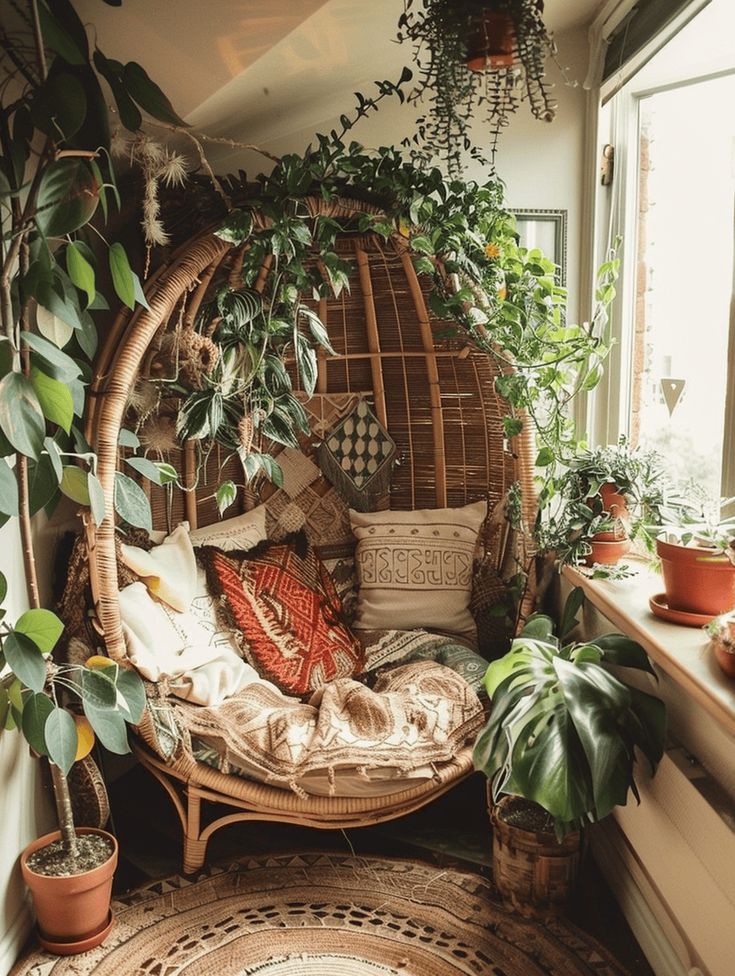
{"points": [[427, 480]]}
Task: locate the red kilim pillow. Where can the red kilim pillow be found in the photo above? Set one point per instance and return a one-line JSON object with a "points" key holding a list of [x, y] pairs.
{"points": [[282, 605]]}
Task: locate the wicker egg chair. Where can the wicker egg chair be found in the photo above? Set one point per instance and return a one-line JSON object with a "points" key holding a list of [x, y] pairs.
{"points": [[438, 402]]}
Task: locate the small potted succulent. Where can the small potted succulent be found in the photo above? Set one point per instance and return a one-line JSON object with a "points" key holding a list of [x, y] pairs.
{"points": [[600, 504], [559, 750]]}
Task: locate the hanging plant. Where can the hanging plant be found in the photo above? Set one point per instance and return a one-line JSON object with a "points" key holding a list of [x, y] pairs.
{"points": [[475, 57]]}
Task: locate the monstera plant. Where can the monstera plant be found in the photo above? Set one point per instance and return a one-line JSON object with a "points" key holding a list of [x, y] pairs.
{"points": [[565, 724]]}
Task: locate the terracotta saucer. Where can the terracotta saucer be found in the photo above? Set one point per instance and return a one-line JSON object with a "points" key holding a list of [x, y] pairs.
{"points": [[661, 609], [83, 945]]}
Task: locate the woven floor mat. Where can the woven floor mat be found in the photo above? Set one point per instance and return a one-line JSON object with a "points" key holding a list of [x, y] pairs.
{"points": [[327, 915]]}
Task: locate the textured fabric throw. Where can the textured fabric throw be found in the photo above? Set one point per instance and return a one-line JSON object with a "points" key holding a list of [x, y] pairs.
{"points": [[285, 613], [415, 714], [357, 458]]}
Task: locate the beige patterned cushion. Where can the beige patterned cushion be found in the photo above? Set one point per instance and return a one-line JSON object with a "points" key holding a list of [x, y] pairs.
{"points": [[414, 569]]}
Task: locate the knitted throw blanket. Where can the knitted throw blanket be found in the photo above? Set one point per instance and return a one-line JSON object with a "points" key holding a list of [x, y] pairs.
{"points": [[415, 715]]}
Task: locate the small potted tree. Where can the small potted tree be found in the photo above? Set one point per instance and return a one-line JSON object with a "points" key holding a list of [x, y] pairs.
{"points": [[55, 175], [559, 751]]}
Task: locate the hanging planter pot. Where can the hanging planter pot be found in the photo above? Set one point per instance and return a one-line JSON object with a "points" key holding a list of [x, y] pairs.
{"points": [[491, 41], [531, 869], [73, 911], [698, 580]]}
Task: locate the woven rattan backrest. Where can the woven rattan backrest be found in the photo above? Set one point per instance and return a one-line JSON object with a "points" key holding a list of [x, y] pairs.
{"points": [[435, 397]]}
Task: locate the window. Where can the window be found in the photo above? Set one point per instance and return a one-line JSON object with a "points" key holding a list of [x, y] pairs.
{"points": [[674, 133]]}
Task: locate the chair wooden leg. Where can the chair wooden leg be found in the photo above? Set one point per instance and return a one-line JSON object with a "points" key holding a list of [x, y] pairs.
{"points": [[195, 849]]}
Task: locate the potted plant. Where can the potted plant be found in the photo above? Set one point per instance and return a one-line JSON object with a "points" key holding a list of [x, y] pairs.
{"points": [[721, 631], [55, 173], [562, 735], [697, 555], [454, 43], [604, 500]]}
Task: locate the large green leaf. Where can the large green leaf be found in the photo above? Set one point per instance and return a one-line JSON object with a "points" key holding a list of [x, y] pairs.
{"points": [[56, 330], [59, 39], [59, 106], [98, 687], [43, 482], [41, 626], [648, 731], [36, 711], [61, 364], [60, 733], [55, 399], [80, 270], [131, 502], [595, 700], [122, 276], [21, 416], [624, 652], [148, 95], [74, 484], [25, 660], [67, 197], [112, 72], [8, 490], [573, 603], [539, 626], [109, 727], [130, 687]]}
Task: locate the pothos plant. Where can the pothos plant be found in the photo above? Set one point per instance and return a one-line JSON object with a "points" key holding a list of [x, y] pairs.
{"points": [[57, 185], [502, 298]]}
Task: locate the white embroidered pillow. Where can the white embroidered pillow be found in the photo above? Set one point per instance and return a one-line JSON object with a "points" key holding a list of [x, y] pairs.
{"points": [[414, 569], [242, 532]]}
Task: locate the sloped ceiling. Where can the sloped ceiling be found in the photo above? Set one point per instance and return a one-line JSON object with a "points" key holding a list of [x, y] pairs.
{"points": [[256, 70]]}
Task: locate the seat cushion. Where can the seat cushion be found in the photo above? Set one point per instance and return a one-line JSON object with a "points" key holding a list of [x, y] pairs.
{"points": [[282, 606]]}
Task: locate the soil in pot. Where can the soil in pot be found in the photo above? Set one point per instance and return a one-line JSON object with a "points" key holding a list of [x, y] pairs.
{"points": [[55, 861]]}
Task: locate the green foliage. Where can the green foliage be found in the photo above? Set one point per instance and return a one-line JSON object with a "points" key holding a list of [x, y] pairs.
{"points": [[564, 729], [441, 33], [493, 294], [572, 509]]}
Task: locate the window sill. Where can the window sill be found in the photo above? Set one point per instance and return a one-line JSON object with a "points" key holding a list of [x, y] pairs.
{"points": [[682, 652]]}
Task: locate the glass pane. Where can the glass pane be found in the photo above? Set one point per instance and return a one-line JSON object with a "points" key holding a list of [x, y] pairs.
{"points": [[684, 276]]}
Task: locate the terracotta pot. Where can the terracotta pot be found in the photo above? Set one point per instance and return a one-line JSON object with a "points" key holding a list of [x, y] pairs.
{"points": [[616, 504], [71, 911], [531, 869], [490, 41], [607, 552], [725, 656], [697, 580]]}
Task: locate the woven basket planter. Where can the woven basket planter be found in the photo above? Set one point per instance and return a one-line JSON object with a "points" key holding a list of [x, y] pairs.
{"points": [[531, 869]]}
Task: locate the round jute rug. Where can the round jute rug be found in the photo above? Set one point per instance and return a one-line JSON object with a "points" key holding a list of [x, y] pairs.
{"points": [[327, 915]]}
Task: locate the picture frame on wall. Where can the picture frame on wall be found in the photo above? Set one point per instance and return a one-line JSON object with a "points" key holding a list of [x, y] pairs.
{"points": [[547, 230]]}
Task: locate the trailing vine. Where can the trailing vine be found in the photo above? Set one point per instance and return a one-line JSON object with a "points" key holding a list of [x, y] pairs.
{"points": [[491, 292]]}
